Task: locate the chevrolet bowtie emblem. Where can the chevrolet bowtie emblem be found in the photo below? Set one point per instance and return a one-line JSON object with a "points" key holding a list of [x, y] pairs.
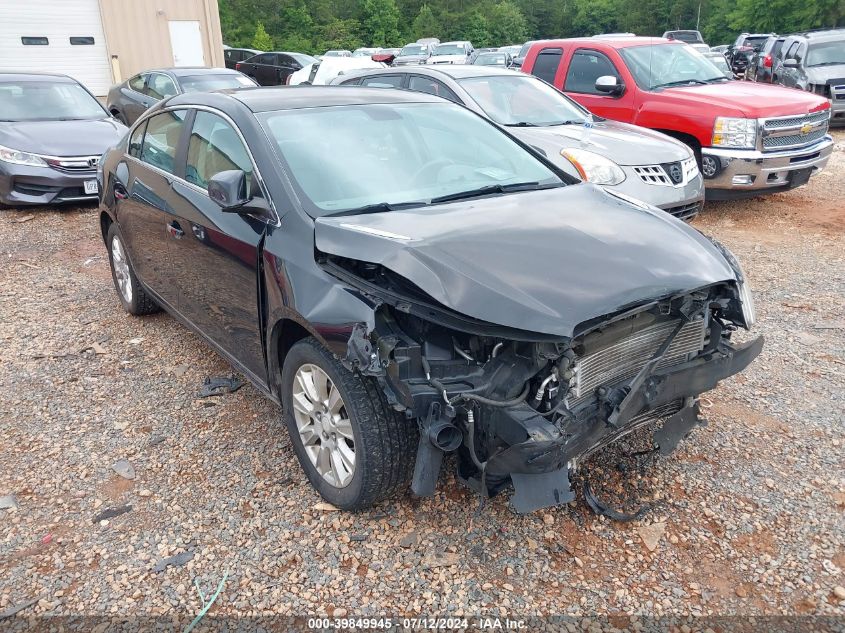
{"points": [[807, 128]]}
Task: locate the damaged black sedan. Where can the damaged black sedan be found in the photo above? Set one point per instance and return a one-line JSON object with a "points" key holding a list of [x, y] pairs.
{"points": [[408, 280]]}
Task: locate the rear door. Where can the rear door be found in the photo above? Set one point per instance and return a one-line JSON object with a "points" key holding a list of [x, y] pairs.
{"points": [[547, 65], [287, 65], [265, 70], [586, 65], [144, 211], [134, 101], [215, 257]]}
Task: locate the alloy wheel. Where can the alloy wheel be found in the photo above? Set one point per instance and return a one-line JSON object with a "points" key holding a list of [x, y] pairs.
{"points": [[323, 424], [121, 269]]}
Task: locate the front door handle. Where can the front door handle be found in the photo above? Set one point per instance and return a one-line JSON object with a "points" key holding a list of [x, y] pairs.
{"points": [[175, 230]]}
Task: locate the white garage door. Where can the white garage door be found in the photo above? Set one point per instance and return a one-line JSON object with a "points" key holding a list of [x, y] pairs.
{"points": [[64, 36]]}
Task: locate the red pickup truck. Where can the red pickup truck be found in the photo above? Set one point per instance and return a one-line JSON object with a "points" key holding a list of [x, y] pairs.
{"points": [[749, 138]]}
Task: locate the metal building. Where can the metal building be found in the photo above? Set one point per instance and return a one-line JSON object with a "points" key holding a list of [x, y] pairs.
{"points": [[101, 42]]}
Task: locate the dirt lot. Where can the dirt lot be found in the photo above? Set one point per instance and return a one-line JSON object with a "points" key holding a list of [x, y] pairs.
{"points": [[747, 516]]}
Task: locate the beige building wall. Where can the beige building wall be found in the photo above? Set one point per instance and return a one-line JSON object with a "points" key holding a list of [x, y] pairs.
{"points": [[138, 34]]}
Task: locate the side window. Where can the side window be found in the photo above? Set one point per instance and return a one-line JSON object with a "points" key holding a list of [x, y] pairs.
{"points": [[432, 87], [546, 64], [266, 58], [287, 61], [229, 54], [137, 83], [383, 81], [351, 82], [214, 147], [790, 53], [137, 140], [584, 69], [161, 140], [801, 52], [160, 86]]}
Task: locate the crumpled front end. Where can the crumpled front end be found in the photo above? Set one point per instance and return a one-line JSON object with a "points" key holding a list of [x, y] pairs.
{"points": [[523, 409]]}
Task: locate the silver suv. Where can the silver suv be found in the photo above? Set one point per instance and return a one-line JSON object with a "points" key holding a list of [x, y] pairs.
{"points": [[815, 61]]}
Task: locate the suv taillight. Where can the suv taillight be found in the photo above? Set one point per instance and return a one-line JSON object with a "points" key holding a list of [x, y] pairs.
{"points": [[767, 61], [238, 66]]}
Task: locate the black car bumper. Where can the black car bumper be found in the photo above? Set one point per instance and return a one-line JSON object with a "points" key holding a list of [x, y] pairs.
{"points": [[22, 185]]}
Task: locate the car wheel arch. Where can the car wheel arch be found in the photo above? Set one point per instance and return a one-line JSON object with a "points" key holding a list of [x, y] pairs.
{"points": [[687, 139], [105, 224], [285, 333]]}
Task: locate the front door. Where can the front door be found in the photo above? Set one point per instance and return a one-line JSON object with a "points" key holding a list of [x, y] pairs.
{"points": [[215, 260], [186, 43], [585, 67], [144, 211]]}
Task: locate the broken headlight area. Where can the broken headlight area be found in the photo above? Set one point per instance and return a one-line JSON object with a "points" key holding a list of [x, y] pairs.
{"points": [[524, 409]]}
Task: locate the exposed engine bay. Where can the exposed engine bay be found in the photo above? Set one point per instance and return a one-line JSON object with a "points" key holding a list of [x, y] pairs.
{"points": [[525, 409]]}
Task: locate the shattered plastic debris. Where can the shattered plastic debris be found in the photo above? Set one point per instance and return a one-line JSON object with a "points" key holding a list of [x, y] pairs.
{"points": [[111, 512], [220, 385], [177, 560]]}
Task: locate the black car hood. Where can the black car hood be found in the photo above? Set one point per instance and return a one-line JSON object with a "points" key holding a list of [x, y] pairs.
{"points": [[90, 137], [542, 261]]}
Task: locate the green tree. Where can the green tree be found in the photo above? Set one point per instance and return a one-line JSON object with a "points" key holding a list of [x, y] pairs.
{"points": [[425, 24], [507, 24], [475, 28], [381, 23], [262, 40], [339, 34]]}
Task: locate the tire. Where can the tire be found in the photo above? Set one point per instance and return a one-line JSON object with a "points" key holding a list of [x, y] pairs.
{"points": [[136, 301], [383, 442]]}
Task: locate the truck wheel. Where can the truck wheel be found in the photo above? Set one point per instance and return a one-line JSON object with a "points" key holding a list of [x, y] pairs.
{"points": [[131, 293], [354, 449]]}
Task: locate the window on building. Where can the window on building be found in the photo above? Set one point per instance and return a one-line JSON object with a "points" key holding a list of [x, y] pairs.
{"points": [[82, 41], [35, 41]]}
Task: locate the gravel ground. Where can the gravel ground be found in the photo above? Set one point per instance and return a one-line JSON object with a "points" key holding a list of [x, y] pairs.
{"points": [[746, 518]]}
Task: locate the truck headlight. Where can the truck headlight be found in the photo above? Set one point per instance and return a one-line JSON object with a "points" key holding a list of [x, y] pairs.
{"points": [[732, 132], [17, 157], [593, 167]]}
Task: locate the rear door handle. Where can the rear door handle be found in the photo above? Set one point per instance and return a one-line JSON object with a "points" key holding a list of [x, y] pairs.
{"points": [[175, 230]]}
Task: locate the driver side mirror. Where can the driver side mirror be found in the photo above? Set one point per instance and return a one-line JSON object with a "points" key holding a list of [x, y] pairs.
{"points": [[229, 190], [609, 85], [790, 63]]}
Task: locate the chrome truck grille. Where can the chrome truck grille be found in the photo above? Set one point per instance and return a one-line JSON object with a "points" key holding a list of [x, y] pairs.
{"points": [[795, 131], [623, 359]]}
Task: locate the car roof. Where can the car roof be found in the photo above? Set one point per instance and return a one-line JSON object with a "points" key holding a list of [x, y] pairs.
{"points": [[454, 71], [11, 75], [620, 42], [298, 97], [823, 34]]}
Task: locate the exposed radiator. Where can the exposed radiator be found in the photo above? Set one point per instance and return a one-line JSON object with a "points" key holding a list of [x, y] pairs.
{"points": [[623, 359]]}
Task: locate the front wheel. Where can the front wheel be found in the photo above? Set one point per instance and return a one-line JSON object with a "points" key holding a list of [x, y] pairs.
{"points": [[133, 297], [354, 449]]}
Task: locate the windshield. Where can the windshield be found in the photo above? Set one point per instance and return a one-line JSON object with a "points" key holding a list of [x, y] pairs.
{"points": [[45, 101], [690, 37], [205, 83], [348, 157], [450, 49], [416, 49], [756, 42], [491, 59], [826, 54], [524, 50], [663, 65], [365, 52], [522, 100]]}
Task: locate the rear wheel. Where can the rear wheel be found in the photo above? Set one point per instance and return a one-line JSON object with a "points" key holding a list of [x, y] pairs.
{"points": [[131, 293], [354, 449]]}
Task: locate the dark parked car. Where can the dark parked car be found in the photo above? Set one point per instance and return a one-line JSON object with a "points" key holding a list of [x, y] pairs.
{"points": [[128, 100], [232, 56], [815, 61], [273, 69], [413, 54], [762, 63], [445, 290], [516, 62], [52, 133], [688, 36], [740, 53]]}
